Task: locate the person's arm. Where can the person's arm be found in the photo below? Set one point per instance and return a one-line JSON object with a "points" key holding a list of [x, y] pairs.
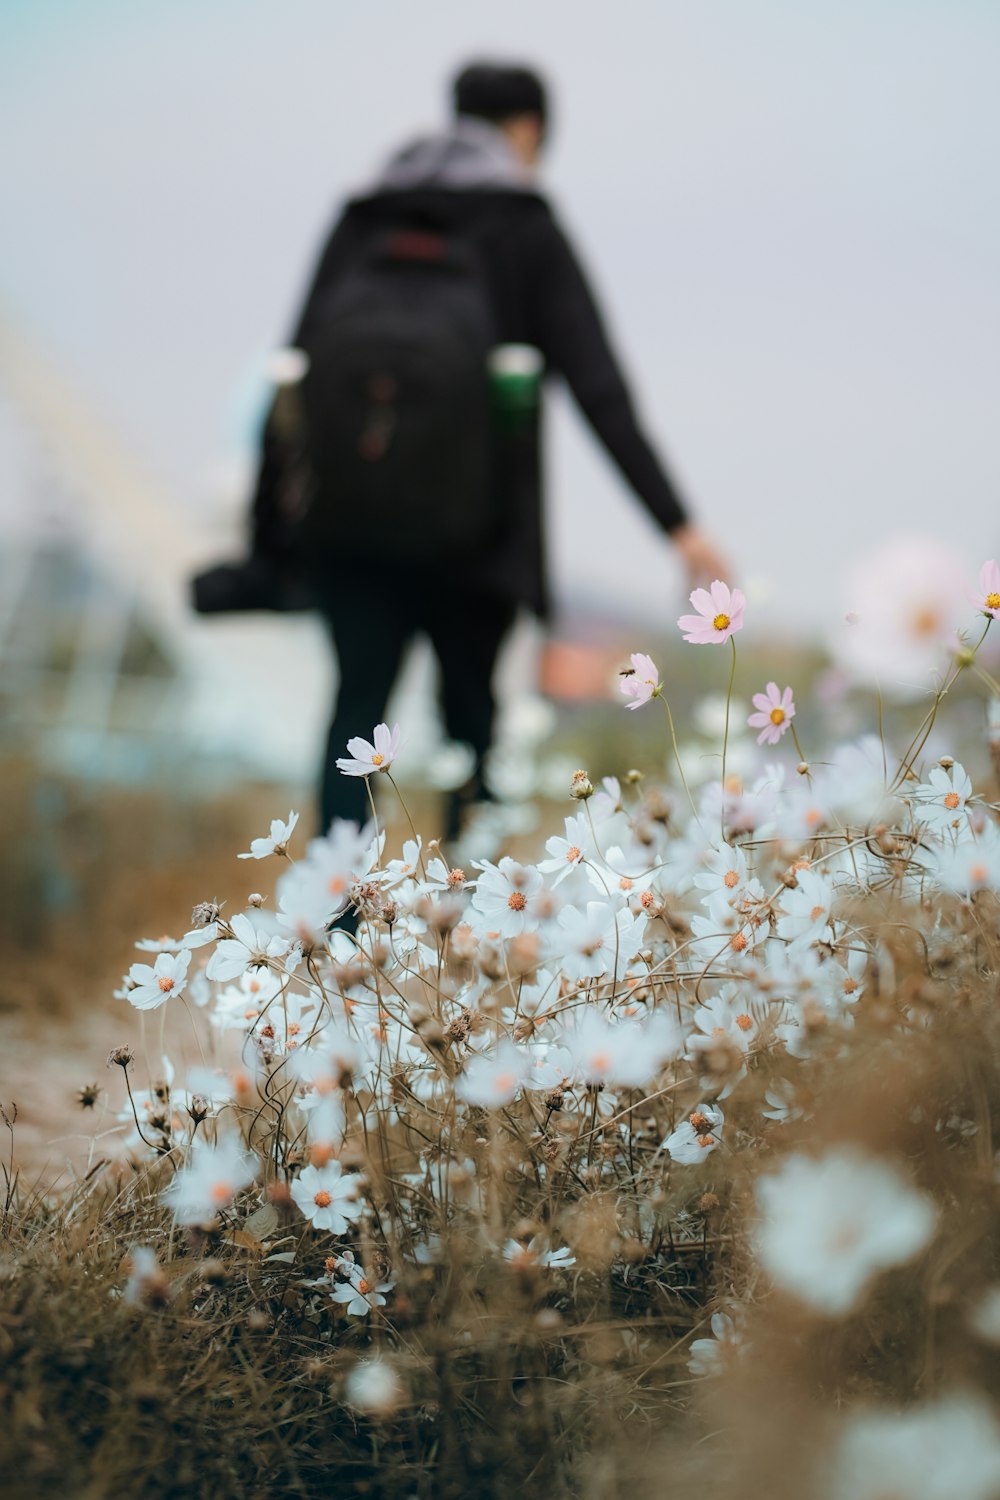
{"points": [[572, 337]]}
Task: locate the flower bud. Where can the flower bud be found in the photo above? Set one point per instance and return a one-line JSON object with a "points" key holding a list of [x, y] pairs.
{"points": [[581, 787]]}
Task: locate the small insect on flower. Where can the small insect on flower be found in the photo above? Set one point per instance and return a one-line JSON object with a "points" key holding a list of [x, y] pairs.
{"points": [[775, 712], [369, 758], [640, 681], [720, 615]]}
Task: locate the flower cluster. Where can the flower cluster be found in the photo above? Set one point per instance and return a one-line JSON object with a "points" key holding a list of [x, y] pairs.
{"points": [[408, 1051]]}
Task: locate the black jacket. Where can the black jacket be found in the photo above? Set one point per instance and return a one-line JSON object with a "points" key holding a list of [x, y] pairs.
{"points": [[541, 297]]}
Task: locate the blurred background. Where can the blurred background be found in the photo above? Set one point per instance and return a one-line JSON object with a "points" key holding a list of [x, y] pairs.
{"points": [[788, 212]]}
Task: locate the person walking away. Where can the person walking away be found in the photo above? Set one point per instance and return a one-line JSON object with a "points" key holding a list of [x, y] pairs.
{"points": [[422, 515]]}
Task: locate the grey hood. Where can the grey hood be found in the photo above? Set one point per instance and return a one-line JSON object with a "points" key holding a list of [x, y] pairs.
{"points": [[470, 154]]}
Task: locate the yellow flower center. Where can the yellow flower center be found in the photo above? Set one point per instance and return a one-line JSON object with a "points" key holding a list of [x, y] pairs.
{"points": [[951, 801], [777, 716], [517, 901], [721, 622], [377, 759], [731, 880], [744, 1022], [572, 854], [322, 1199], [816, 913], [166, 983], [220, 1193], [993, 601], [738, 942]]}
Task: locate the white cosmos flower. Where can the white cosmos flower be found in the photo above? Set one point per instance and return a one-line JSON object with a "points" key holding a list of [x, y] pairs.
{"points": [[906, 599], [942, 799], [329, 1197], [697, 1136], [369, 758], [724, 879], [708, 1356], [153, 986], [491, 1080], [968, 865], [358, 1295], [806, 910], [567, 854], [276, 842], [210, 1181], [249, 947], [621, 1053], [948, 1449], [602, 939], [374, 1386], [829, 1225], [503, 897], [781, 1099], [725, 1014], [536, 1253]]}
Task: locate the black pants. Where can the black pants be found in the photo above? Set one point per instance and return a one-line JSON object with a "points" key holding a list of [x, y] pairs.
{"points": [[372, 623]]}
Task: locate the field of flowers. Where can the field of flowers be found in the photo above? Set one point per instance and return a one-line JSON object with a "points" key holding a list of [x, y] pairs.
{"points": [[661, 1158]]}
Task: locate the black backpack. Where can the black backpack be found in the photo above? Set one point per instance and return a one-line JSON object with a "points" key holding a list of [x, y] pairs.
{"points": [[395, 406]]}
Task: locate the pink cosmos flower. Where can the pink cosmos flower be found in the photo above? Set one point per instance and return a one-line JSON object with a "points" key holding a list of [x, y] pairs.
{"points": [[643, 682], [775, 713], [988, 598], [370, 758], [720, 615]]}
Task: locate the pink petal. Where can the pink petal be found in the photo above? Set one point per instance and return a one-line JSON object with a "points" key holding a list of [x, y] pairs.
{"points": [[703, 602]]}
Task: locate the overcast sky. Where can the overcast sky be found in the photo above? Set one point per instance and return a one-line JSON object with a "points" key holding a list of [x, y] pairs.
{"points": [[789, 209]]}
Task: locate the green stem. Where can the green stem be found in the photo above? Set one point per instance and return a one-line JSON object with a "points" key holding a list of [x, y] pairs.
{"points": [[677, 758], [791, 725], [920, 739], [725, 735], [413, 831]]}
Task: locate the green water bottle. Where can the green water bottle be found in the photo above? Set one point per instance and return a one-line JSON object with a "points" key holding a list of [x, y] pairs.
{"points": [[515, 372]]}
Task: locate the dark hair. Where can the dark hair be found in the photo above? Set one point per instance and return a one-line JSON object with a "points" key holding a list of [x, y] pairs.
{"points": [[494, 92]]}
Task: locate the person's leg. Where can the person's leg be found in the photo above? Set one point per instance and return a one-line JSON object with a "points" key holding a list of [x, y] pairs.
{"points": [[370, 632], [467, 634]]}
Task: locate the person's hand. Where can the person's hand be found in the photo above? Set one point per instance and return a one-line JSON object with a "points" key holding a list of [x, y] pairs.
{"points": [[702, 559]]}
